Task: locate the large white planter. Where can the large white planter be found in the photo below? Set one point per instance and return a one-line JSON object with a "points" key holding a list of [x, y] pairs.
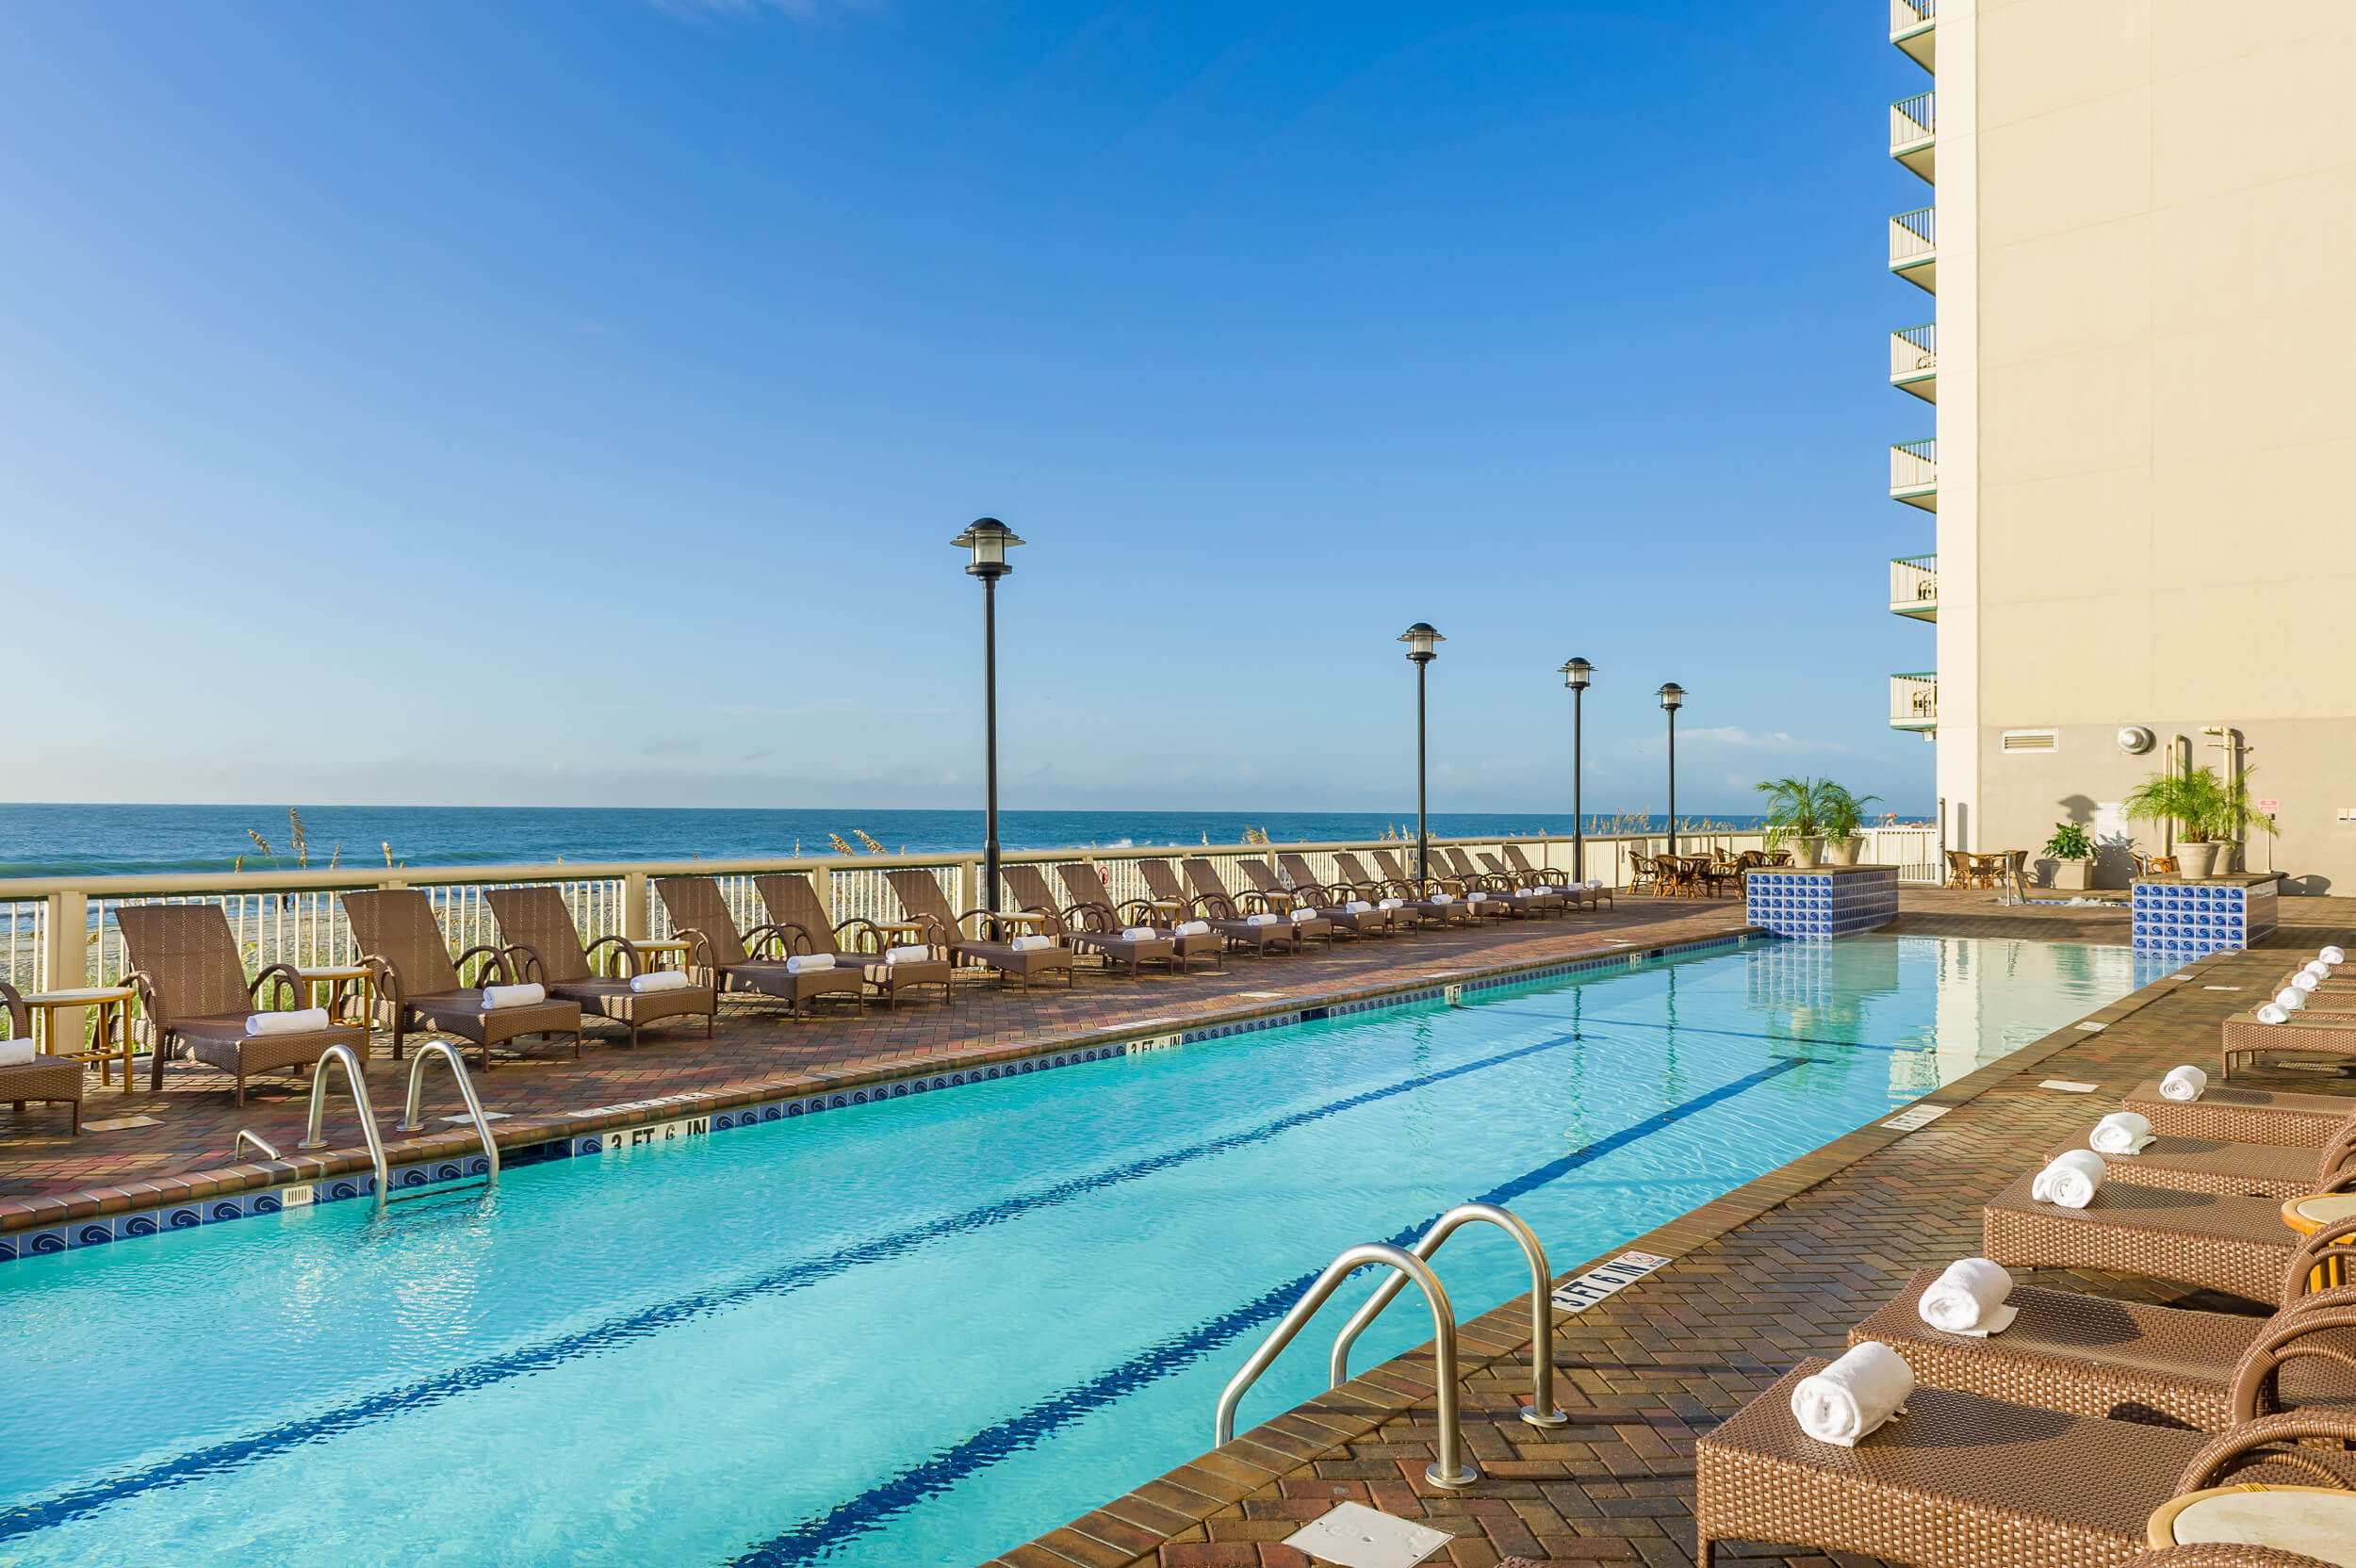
{"points": [[2195, 861], [2072, 875], [1806, 854], [1844, 851]]}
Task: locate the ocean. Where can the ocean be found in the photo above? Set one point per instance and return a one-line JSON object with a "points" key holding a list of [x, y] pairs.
{"points": [[99, 841]]}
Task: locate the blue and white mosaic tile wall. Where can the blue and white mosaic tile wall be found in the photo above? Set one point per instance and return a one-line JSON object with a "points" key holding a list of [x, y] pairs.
{"points": [[1811, 907], [2185, 920]]}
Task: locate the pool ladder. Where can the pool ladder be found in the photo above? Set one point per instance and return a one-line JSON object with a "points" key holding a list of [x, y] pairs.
{"points": [[1454, 1468], [355, 1079]]}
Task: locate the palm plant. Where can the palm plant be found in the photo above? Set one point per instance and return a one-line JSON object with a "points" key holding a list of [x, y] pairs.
{"points": [[1795, 808], [1842, 812], [2197, 801], [2235, 815]]}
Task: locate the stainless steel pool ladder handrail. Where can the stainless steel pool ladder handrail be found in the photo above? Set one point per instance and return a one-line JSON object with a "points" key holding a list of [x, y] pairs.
{"points": [[245, 1136], [1454, 1468], [1542, 1411], [409, 1119], [356, 1077]]}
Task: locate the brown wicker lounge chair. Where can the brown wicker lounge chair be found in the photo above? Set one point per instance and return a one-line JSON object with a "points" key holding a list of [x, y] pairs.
{"points": [[2239, 1115], [1962, 1480], [1226, 923], [2132, 1360], [1221, 909], [802, 924], [1084, 930], [1412, 904], [1093, 905], [1337, 896], [194, 997], [1332, 907], [2325, 1035], [2237, 1245], [51, 1080], [2212, 1165], [921, 896], [1453, 912], [1527, 897], [544, 948], [746, 963], [418, 988], [2217, 1554]]}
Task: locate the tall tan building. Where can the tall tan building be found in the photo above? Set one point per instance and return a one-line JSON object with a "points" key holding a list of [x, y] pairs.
{"points": [[2138, 235]]}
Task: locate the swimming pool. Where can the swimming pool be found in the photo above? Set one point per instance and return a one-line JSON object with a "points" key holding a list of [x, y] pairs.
{"points": [[922, 1330]]}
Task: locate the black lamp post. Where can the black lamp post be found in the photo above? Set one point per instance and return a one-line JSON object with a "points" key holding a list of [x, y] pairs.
{"points": [[1422, 643], [1672, 698], [989, 540], [1575, 675]]}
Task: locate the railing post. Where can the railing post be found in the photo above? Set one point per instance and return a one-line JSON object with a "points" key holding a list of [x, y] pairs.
{"points": [[66, 965], [634, 905]]}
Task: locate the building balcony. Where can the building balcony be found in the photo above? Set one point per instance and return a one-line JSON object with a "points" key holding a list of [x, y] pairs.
{"points": [[1914, 248], [1914, 701], [1913, 27], [1914, 474], [1912, 140], [1914, 587], [1914, 361]]}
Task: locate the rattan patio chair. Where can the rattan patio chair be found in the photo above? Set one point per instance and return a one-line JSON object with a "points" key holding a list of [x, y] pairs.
{"points": [[194, 997], [51, 1080], [1227, 925], [1332, 909], [1078, 925], [544, 948], [2213, 1165], [2134, 1360], [419, 989], [803, 926], [1412, 902], [747, 963], [921, 897], [1233, 916], [2246, 1037], [1581, 895], [1497, 890], [2237, 1115], [1541, 897], [1336, 897], [1093, 909], [1962, 1480]]}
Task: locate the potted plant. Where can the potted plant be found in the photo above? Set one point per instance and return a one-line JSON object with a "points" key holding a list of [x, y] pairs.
{"points": [[2197, 802], [2073, 854], [1793, 819], [1840, 814], [2235, 817]]}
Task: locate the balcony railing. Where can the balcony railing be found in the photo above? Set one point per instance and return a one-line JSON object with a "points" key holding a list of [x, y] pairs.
{"points": [[1912, 137], [1914, 474], [1914, 587], [1914, 700], [1906, 15], [1911, 29], [1913, 237], [1914, 359]]}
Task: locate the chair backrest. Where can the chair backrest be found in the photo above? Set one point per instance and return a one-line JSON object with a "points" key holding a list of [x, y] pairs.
{"points": [[922, 900], [1459, 860], [396, 924], [1161, 880], [696, 903], [187, 951], [792, 899], [1205, 878], [1264, 877], [1083, 886], [1353, 869], [1389, 863], [1514, 857], [1297, 868], [1028, 885], [1495, 866], [536, 918]]}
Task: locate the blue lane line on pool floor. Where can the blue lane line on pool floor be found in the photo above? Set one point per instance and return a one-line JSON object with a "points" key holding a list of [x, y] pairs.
{"points": [[872, 1509], [1592, 1020], [28, 1517]]}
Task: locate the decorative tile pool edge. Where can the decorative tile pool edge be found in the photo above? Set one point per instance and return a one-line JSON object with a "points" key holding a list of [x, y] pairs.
{"points": [[453, 1172]]}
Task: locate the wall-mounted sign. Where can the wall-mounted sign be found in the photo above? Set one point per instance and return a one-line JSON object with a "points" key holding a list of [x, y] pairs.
{"points": [[2271, 808]]}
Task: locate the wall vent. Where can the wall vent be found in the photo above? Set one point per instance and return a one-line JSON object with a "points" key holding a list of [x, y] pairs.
{"points": [[2032, 740]]}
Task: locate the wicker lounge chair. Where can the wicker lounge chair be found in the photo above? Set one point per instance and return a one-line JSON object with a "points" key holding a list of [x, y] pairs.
{"points": [[921, 896], [2329, 1035], [194, 997], [2244, 1115], [1337, 896], [1221, 908], [802, 924], [418, 989], [1081, 927], [1413, 905], [746, 963], [1332, 907], [1498, 893], [2213, 1165], [1226, 923], [1092, 904], [1965, 1481], [544, 948], [2237, 1245], [1453, 912], [51, 1080], [2216, 1554], [1530, 896], [2132, 1360]]}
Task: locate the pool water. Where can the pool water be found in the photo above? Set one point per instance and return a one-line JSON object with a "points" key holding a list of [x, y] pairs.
{"points": [[922, 1331]]}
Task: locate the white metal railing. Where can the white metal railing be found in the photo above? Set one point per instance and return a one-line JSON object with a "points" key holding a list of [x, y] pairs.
{"points": [[1914, 700], [1914, 584], [1912, 122], [1914, 352], [1906, 15], [1914, 467], [1913, 235]]}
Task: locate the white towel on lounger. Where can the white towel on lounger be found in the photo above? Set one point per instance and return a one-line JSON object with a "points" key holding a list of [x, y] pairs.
{"points": [[2306, 982], [2274, 1012], [1359, 906], [2070, 1180], [1303, 913], [1139, 934], [301, 1021], [1443, 898], [2183, 1084], [1853, 1397], [910, 952], [2121, 1133], [2290, 999], [809, 963], [1192, 928], [1032, 944], [660, 980], [2333, 955], [1392, 904], [2318, 968], [1969, 1298], [17, 1052], [496, 997], [1259, 920]]}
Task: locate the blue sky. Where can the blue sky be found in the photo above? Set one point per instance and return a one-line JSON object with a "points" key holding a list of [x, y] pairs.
{"points": [[571, 402]]}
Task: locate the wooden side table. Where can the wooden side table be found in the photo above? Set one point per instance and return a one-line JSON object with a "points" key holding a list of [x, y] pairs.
{"points": [[660, 952], [2313, 1521], [111, 1001], [2312, 1214], [345, 982]]}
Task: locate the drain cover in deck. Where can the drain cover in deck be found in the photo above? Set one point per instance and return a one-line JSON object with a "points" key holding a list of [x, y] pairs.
{"points": [[1356, 1536]]}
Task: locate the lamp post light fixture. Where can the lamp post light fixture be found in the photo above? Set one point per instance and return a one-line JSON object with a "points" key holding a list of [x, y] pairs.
{"points": [[1672, 698], [1422, 649], [987, 541], [1575, 675]]}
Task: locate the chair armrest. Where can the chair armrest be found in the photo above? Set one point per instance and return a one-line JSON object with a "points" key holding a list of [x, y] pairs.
{"points": [[149, 1000], [284, 974], [760, 938], [2259, 1372], [860, 927], [699, 951], [633, 962], [2216, 1459], [495, 957], [794, 938], [529, 966], [383, 978], [20, 1015], [2310, 1251]]}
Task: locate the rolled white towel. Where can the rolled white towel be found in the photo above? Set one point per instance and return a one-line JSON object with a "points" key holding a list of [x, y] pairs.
{"points": [[660, 980], [1853, 1395], [2290, 999], [301, 1021], [2274, 1012], [1969, 1298], [2183, 1084], [1192, 928], [1443, 898], [16, 1053], [1595, 884], [2306, 982], [2070, 1180], [1303, 913], [2318, 968], [1259, 920], [496, 997], [1139, 934], [1032, 944], [1392, 904], [1476, 898], [810, 963], [2121, 1133], [1359, 906], [909, 953], [2333, 956]]}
